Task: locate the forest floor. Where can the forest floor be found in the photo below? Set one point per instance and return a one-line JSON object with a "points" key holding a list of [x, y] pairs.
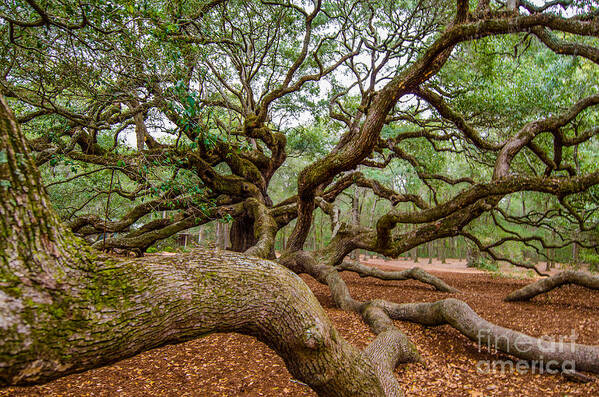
{"points": [[237, 365]]}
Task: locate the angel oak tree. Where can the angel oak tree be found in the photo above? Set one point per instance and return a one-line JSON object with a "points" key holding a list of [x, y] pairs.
{"points": [[65, 307]]}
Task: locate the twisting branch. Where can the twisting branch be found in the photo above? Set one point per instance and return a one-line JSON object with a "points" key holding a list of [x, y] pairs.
{"points": [[461, 316]]}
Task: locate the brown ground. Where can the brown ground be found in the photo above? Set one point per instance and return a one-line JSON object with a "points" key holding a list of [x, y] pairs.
{"points": [[235, 365]]}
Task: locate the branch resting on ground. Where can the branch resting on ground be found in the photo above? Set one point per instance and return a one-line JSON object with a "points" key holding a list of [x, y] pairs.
{"points": [[379, 315], [547, 284], [415, 273], [461, 316]]}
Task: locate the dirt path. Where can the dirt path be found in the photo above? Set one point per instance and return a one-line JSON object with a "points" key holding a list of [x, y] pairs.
{"points": [[235, 365], [459, 266], [450, 265]]}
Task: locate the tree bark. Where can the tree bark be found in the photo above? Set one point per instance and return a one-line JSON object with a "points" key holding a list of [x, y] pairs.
{"points": [[575, 245], [355, 215], [442, 247], [472, 256], [64, 308], [140, 126]]}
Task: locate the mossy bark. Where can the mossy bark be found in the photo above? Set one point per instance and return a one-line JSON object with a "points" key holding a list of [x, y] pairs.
{"points": [[123, 308], [64, 308]]}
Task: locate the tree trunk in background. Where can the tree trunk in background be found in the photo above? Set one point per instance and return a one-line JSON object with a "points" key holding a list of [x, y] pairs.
{"points": [[65, 308], [355, 207], [373, 212], [355, 215], [472, 256], [575, 246], [321, 239], [429, 252], [551, 254], [549, 263], [507, 204], [454, 247], [140, 126], [442, 249], [372, 218], [242, 233]]}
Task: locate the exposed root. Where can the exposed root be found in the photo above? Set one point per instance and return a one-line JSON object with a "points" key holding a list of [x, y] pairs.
{"points": [[547, 284], [415, 273], [564, 355]]}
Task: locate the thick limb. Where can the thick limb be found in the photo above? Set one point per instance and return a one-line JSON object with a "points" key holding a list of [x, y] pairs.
{"points": [[547, 284], [144, 304]]}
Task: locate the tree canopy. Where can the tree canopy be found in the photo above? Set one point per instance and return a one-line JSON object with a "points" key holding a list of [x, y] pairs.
{"points": [[218, 95]]}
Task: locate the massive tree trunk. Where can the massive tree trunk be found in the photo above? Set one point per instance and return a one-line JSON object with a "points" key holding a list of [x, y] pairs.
{"points": [[64, 308]]}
